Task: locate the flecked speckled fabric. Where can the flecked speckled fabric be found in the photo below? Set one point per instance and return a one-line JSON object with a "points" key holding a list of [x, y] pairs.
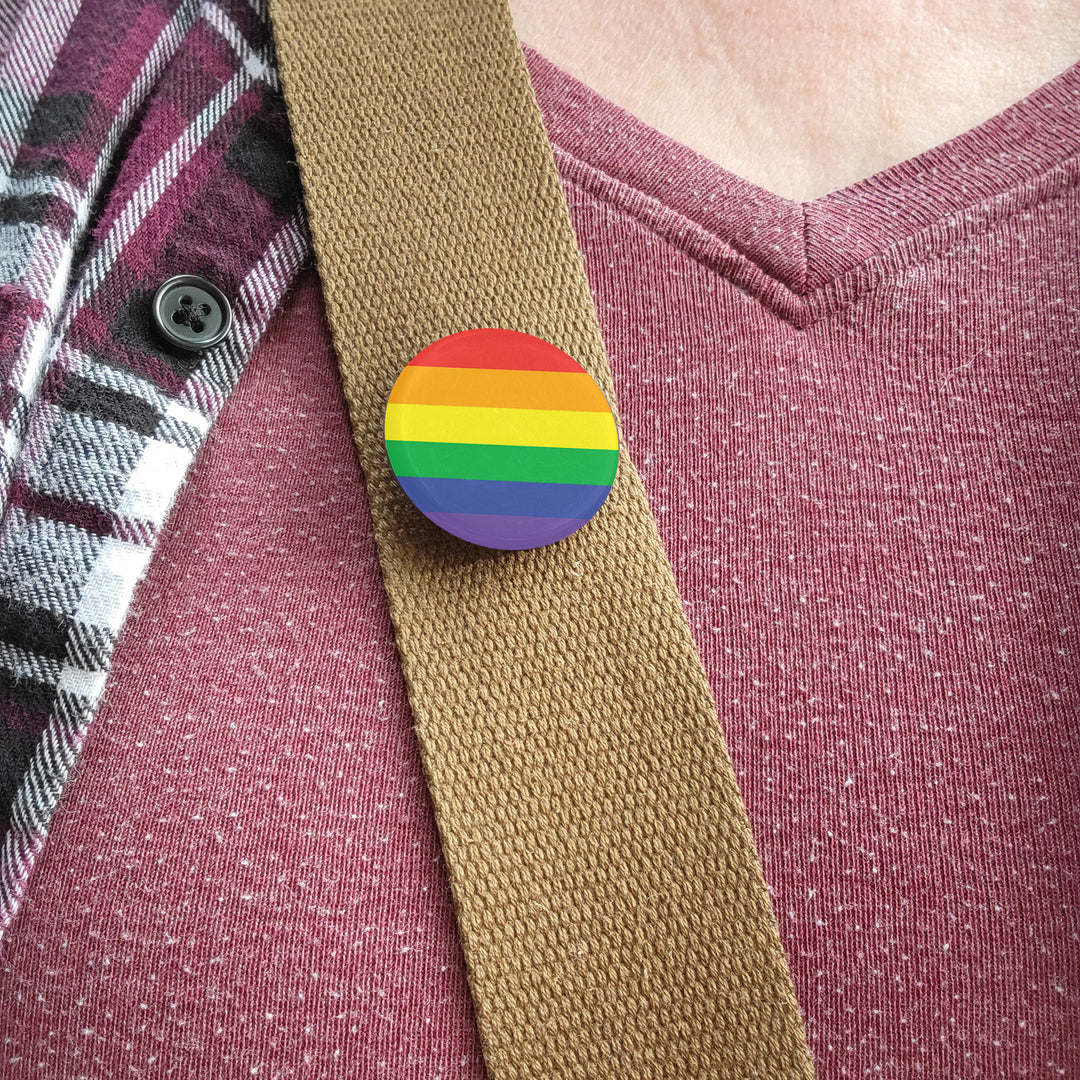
{"points": [[856, 421]]}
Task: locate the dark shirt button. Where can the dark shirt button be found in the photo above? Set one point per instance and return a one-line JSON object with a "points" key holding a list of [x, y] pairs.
{"points": [[191, 314]]}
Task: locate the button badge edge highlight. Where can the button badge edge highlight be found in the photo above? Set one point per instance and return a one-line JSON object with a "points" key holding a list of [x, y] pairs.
{"points": [[501, 439]]}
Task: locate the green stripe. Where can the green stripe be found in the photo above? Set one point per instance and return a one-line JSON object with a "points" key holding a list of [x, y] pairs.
{"points": [[485, 461]]}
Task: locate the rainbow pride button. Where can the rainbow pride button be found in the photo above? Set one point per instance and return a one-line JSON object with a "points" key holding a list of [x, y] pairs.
{"points": [[501, 439]]}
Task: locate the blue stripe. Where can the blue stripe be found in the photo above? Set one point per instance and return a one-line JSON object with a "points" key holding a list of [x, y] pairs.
{"points": [[434, 495]]}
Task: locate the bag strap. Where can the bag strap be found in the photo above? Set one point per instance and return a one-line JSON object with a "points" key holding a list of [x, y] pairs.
{"points": [[612, 910]]}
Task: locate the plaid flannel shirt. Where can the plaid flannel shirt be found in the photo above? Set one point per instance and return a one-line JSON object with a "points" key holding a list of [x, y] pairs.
{"points": [[139, 139]]}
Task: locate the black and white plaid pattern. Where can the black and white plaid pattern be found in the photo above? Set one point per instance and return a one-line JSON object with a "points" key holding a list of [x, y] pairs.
{"points": [[99, 202]]}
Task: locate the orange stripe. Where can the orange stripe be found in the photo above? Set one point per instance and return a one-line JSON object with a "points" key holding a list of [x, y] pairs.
{"points": [[562, 390]]}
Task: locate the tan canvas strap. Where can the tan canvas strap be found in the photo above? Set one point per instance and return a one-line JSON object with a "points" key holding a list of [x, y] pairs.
{"points": [[612, 910]]}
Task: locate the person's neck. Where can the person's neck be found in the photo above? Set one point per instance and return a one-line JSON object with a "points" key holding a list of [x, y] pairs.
{"points": [[805, 96]]}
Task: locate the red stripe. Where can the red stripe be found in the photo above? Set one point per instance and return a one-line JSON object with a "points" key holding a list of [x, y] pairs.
{"points": [[506, 350]]}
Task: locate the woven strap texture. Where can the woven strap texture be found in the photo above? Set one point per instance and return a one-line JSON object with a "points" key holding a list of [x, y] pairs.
{"points": [[612, 910]]}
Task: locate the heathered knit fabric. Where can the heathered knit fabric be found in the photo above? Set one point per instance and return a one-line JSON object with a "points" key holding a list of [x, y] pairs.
{"points": [[866, 485]]}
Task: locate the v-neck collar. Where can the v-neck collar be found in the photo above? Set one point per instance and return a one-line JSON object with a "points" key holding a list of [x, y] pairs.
{"points": [[804, 259]]}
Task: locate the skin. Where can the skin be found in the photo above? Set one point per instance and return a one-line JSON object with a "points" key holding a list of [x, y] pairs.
{"points": [[806, 96]]}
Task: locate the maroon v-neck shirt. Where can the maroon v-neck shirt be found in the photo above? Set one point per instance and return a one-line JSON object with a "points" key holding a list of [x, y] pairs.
{"points": [[856, 422]]}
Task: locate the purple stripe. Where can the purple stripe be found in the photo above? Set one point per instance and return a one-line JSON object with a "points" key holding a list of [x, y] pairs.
{"points": [[89, 518], [511, 498], [19, 716], [506, 531], [29, 60]]}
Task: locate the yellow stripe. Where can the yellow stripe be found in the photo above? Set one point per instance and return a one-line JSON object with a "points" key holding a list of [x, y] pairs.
{"points": [[504, 427], [561, 390]]}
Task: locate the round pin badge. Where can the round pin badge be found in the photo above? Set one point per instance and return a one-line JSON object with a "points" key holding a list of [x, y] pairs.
{"points": [[501, 439]]}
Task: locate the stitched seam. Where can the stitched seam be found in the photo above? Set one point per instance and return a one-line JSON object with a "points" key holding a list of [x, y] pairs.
{"points": [[938, 221], [805, 250], [941, 253], [867, 290], [604, 197]]}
